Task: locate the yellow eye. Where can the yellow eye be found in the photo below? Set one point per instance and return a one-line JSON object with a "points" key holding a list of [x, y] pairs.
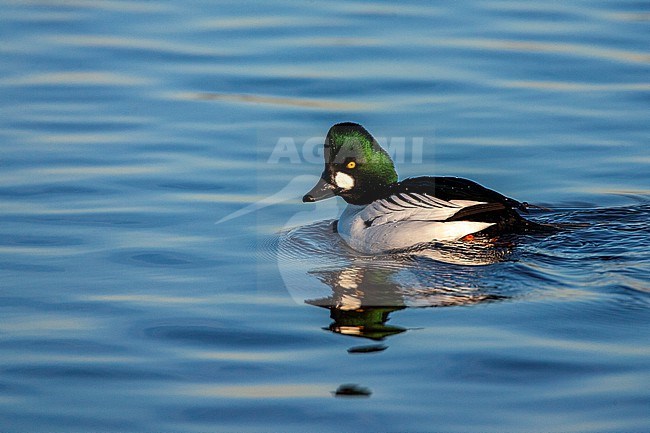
{"points": [[351, 165]]}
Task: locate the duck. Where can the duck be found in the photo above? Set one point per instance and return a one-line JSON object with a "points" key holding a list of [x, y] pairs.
{"points": [[385, 215]]}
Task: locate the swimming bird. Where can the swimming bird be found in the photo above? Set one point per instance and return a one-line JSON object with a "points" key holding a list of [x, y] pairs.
{"points": [[384, 214]]}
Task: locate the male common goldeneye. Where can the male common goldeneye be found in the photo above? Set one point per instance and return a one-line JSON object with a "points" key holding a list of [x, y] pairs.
{"points": [[384, 214]]}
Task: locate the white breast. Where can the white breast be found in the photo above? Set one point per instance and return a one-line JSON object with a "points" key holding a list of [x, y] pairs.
{"points": [[390, 235]]}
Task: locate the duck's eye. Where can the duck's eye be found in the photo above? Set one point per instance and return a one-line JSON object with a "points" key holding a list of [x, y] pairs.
{"points": [[351, 165]]}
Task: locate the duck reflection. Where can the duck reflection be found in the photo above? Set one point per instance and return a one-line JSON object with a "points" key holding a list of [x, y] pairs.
{"points": [[361, 301], [365, 293], [362, 292]]}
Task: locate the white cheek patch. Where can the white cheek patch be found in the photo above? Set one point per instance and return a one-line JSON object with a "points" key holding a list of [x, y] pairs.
{"points": [[344, 181]]}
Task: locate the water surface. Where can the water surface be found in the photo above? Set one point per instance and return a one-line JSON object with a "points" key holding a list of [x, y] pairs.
{"points": [[128, 129]]}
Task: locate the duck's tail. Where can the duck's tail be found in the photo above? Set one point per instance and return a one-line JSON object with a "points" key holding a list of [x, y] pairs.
{"points": [[509, 221]]}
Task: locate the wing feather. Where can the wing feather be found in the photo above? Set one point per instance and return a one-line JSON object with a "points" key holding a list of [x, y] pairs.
{"points": [[456, 188], [427, 200], [402, 201], [412, 207]]}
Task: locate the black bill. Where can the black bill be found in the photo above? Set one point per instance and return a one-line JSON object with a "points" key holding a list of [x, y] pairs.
{"points": [[320, 191]]}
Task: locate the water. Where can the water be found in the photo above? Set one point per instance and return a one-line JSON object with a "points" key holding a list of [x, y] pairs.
{"points": [[129, 128]]}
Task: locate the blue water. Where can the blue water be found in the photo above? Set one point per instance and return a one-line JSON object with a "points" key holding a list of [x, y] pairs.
{"points": [[129, 129]]}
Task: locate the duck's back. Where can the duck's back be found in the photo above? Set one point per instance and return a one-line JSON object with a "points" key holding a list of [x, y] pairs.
{"points": [[454, 188], [426, 209]]}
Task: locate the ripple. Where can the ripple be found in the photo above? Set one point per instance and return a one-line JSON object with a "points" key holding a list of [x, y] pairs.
{"points": [[313, 239], [29, 267], [278, 391], [568, 49], [94, 217], [258, 22], [211, 335], [273, 100], [63, 346], [160, 259], [39, 241], [91, 78], [565, 86], [85, 372], [49, 189], [147, 47], [517, 369]]}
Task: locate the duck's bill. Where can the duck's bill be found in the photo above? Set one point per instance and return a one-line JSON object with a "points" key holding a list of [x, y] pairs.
{"points": [[320, 191]]}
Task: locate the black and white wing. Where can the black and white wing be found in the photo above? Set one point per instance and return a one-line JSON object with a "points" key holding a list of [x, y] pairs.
{"points": [[411, 206], [456, 188]]}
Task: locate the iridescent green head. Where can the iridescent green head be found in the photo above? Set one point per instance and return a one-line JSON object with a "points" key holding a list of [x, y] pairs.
{"points": [[356, 167]]}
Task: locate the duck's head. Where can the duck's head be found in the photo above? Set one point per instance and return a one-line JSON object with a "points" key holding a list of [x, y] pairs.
{"points": [[356, 167]]}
